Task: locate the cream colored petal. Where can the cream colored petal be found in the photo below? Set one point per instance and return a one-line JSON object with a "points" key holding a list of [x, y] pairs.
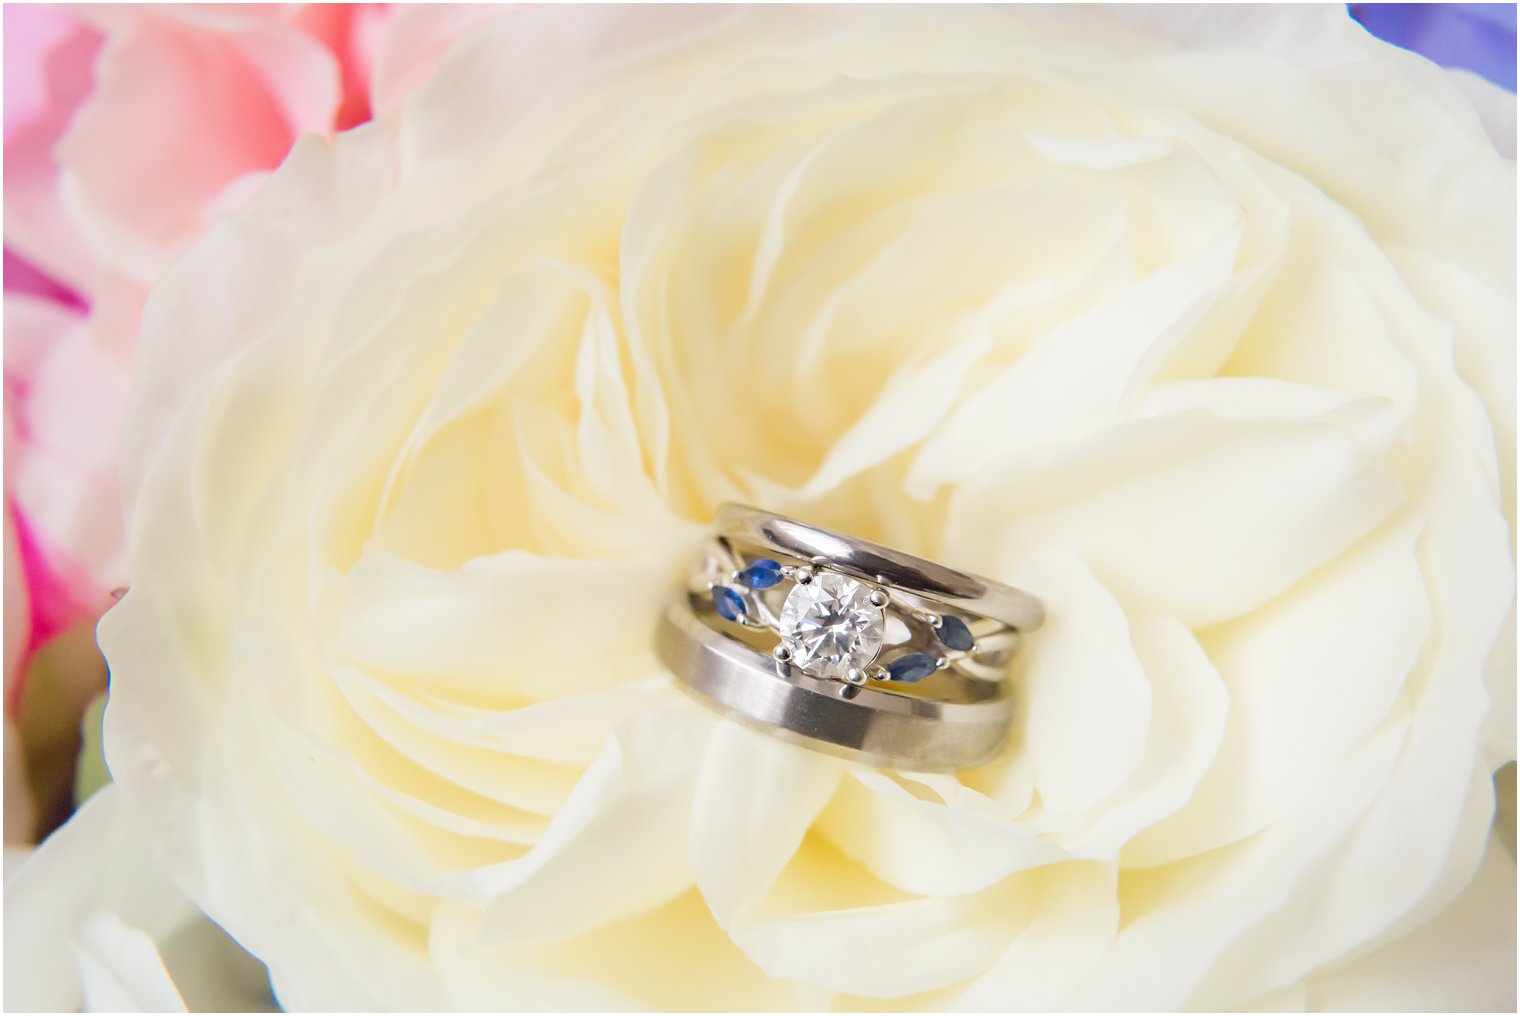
{"points": [[509, 68], [413, 809], [1250, 507], [1387, 882], [1374, 422], [1462, 960], [120, 969], [98, 862], [935, 942], [412, 42], [335, 936], [1283, 946], [672, 959], [911, 405], [1078, 918], [1499, 732], [569, 730], [1495, 106], [925, 847], [511, 626], [1175, 920], [1086, 702], [1308, 677], [1347, 125], [756, 797], [516, 335], [1188, 717], [1079, 377], [1480, 315], [477, 980], [616, 848], [296, 210]]}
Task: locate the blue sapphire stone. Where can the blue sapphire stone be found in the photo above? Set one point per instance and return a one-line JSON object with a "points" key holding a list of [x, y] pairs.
{"points": [[762, 573], [728, 603], [913, 667], [954, 633]]}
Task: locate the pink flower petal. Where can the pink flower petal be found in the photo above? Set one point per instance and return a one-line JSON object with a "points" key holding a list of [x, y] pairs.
{"points": [[352, 32], [31, 33], [65, 394], [181, 109], [21, 276], [55, 80]]}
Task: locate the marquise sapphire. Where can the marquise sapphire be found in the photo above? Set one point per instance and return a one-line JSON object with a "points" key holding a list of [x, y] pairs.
{"points": [[728, 603], [762, 573], [954, 633], [911, 668]]}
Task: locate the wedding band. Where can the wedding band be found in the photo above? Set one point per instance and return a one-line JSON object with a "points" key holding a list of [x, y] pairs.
{"points": [[846, 646], [876, 727]]}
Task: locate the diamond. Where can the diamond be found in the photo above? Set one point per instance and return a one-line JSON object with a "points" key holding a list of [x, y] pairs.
{"points": [[831, 626]]}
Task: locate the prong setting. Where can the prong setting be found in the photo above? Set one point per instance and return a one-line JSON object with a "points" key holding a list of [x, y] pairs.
{"points": [[738, 591]]}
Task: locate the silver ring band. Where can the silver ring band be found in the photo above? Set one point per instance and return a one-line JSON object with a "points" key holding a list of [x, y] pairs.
{"points": [[877, 727], [867, 560]]}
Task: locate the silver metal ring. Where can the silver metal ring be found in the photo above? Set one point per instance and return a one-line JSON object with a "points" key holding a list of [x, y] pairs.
{"points": [[963, 725], [845, 645], [867, 560]]}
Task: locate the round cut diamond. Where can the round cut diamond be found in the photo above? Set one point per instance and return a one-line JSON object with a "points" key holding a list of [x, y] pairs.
{"points": [[831, 626]]}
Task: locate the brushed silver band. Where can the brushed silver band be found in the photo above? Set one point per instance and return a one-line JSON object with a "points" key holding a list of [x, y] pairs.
{"points": [[950, 722]]}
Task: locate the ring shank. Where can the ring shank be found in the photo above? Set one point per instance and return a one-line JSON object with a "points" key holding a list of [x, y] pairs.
{"points": [[873, 562], [876, 727]]}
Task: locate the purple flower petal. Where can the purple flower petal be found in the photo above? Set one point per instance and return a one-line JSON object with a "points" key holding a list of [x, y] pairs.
{"points": [[1477, 37]]}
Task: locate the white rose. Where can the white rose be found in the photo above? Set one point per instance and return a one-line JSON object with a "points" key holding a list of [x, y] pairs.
{"points": [[1198, 324]]}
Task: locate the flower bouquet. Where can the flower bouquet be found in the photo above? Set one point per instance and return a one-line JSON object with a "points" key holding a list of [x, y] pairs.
{"points": [[1124, 622]]}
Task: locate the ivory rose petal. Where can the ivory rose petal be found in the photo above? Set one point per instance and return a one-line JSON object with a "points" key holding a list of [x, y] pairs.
{"points": [[1179, 321], [89, 875], [1421, 970]]}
